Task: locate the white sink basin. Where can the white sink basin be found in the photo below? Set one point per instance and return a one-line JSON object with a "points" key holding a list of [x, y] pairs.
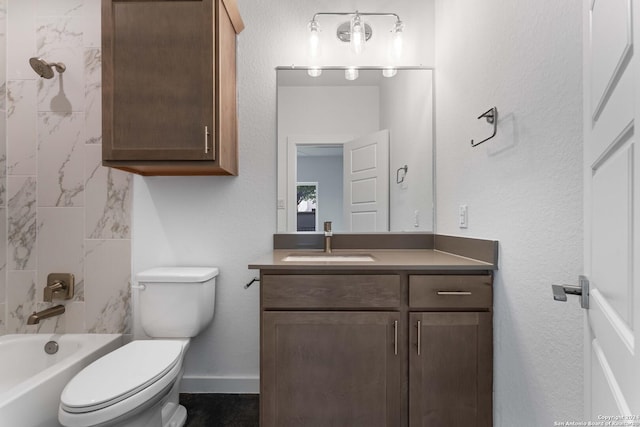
{"points": [[328, 258]]}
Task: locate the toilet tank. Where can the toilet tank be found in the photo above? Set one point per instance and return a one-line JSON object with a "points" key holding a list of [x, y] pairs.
{"points": [[176, 302]]}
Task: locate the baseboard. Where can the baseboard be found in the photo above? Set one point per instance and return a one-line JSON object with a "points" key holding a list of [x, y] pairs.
{"points": [[231, 385]]}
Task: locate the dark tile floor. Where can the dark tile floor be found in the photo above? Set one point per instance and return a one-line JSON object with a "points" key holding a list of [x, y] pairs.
{"points": [[221, 410]]}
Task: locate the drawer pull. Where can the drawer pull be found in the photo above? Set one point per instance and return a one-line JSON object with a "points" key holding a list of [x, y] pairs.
{"points": [[419, 333], [395, 337], [454, 293]]}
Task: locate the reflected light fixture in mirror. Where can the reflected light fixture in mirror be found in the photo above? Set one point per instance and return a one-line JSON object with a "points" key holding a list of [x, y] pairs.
{"points": [[351, 73], [389, 72], [356, 31], [314, 72]]}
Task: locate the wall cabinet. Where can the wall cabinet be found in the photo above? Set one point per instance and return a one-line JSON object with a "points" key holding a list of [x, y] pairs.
{"points": [[382, 350], [169, 86]]}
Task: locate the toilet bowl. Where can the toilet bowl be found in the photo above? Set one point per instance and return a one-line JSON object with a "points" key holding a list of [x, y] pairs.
{"points": [[138, 384]]}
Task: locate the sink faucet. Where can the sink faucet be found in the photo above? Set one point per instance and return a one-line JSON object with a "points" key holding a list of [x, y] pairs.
{"points": [[35, 318], [327, 237]]}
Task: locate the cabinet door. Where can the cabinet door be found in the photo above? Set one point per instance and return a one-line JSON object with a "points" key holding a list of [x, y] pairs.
{"points": [[331, 369], [450, 370], [158, 80]]}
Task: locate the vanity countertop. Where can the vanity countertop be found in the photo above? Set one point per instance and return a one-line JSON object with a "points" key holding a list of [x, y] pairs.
{"points": [[383, 259]]}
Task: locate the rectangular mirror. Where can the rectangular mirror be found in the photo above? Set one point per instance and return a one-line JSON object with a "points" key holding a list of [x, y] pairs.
{"points": [[358, 153]]}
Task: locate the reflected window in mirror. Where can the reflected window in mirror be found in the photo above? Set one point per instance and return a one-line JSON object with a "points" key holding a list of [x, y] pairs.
{"points": [[307, 198]]}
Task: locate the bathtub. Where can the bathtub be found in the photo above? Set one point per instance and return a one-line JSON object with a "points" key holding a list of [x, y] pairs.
{"points": [[31, 380]]}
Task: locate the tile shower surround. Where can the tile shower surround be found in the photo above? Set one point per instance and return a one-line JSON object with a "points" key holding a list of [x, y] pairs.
{"points": [[60, 210]]}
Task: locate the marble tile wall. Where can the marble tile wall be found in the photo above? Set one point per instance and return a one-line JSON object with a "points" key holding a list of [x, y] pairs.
{"points": [[60, 210]]}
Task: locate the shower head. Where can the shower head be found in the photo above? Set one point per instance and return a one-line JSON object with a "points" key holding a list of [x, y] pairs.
{"points": [[45, 69]]}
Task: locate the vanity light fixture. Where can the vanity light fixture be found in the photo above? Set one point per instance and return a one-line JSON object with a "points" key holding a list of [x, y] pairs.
{"points": [[356, 31]]}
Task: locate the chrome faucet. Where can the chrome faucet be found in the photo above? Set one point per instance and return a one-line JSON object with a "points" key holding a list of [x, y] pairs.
{"points": [[36, 317], [327, 237]]}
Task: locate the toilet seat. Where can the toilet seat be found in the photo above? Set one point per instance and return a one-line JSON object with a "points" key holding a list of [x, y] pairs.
{"points": [[121, 381]]}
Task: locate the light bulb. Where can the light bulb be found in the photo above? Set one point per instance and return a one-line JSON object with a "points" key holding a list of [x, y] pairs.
{"points": [[351, 73], [389, 72], [314, 38], [358, 36], [398, 28], [314, 72]]}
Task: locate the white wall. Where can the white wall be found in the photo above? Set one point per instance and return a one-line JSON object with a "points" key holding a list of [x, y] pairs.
{"points": [[523, 188], [229, 221]]}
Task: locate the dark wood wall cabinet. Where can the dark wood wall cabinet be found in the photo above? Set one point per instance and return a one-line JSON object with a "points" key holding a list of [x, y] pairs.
{"points": [[387, 349], [169, 86]]}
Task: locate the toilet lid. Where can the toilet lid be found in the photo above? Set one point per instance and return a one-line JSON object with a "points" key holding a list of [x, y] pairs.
{"points": [[120, 374]]}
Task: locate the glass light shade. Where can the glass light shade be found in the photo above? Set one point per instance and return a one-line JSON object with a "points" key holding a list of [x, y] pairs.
{"points": [[314, 38], [314, 72], [389, 72], [398, 29], [351, 73], [358, 36]]}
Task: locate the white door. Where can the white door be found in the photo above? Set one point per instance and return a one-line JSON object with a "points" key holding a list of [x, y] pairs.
{"points": [[612, 210], [366, 183]]}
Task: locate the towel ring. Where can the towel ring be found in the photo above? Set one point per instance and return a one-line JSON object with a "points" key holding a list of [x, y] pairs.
{"points": [[491, 115]]}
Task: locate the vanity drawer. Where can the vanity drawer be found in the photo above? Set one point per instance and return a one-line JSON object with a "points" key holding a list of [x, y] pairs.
{"points": [[450, 292], [334, 291]]}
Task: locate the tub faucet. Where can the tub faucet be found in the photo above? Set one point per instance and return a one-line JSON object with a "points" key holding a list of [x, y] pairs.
{"points": [[36, 317], [327, 237], [59, 286]]}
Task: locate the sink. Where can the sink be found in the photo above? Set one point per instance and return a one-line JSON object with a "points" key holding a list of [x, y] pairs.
{"points": [[321, 257]]}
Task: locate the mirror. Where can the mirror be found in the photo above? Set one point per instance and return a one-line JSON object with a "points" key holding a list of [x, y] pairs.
{"points": [[358, 153]]}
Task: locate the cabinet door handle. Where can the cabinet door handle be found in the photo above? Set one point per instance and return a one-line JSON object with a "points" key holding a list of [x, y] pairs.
{"points": [[395, 337], [206, 139], [454, 293], [419, 327]]}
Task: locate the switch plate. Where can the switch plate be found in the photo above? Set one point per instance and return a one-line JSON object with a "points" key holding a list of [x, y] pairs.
{"points": [[280, 203], [463, 216]]}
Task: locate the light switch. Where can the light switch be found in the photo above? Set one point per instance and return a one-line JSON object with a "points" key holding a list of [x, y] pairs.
{"points": [[463, 216], [280, 203]]}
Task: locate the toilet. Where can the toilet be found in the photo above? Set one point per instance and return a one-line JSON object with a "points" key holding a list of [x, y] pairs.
{"points": [[138, 384]]}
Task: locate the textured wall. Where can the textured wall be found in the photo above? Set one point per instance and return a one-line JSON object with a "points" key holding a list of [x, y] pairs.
{"points": [[60, 210], [523, 188], [229, 221]]}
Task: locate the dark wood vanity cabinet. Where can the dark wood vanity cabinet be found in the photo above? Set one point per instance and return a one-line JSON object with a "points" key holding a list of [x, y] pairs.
{"points": [[169, 86], [383, 349]]}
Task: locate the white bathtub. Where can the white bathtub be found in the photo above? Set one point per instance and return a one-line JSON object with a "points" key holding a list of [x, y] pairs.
{"points": [[31, 380]]}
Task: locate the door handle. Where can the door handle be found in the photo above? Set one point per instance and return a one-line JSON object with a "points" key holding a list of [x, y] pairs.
{"points": [[560, 291]]}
